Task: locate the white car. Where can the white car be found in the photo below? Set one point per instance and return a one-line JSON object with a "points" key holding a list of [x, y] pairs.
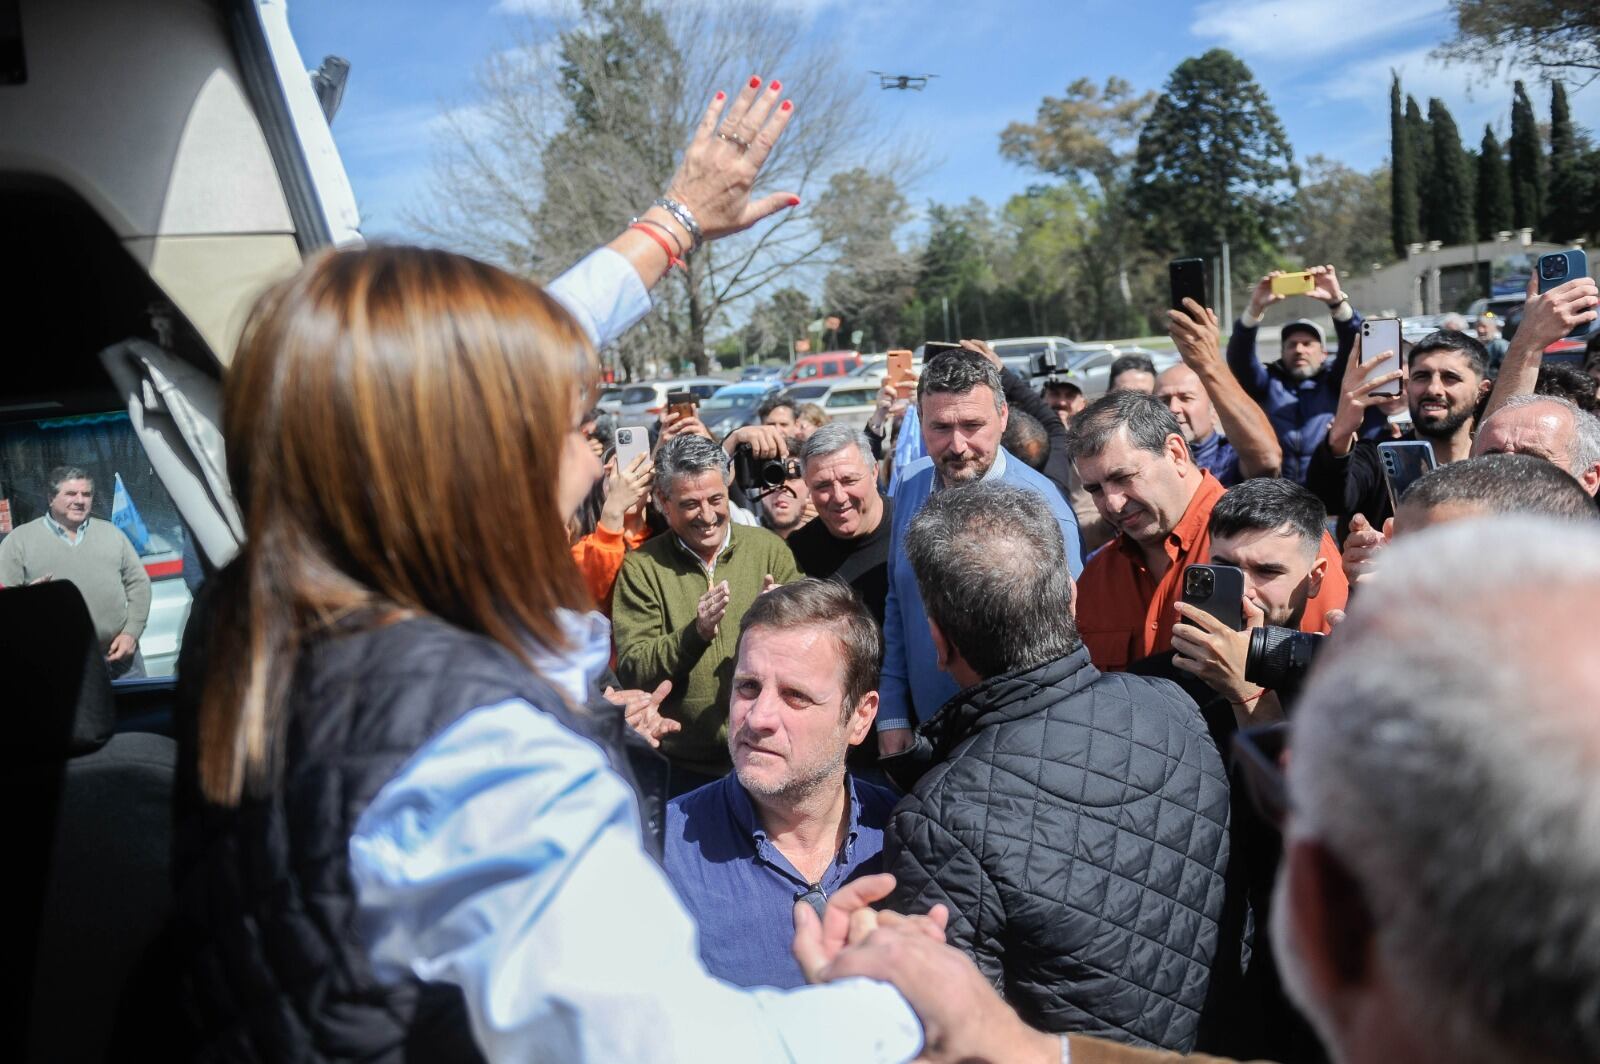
{"points": [[851, 401], [1090, 364], [646, 400]]}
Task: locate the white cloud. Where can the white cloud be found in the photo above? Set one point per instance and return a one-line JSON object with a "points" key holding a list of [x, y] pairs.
{"points": [[1301, 29]]}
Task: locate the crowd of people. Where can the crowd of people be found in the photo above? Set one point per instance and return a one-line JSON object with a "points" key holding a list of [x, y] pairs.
{"points": [[836, 744]]}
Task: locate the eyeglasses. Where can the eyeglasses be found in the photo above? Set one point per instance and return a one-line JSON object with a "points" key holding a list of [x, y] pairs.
{"points": [[1260, 754], [816, 898]]}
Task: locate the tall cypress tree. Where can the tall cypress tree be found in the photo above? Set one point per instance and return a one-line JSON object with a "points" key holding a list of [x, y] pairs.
{"points": [[1565, 206], [1403, 176], [1420, 140], [1527, 163], [1449, 191], [1494, 188]]}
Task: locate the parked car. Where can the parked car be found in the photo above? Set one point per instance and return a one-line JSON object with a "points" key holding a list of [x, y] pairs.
{"points": [[734, 406], [610, 399], [644, 402], [1035, 356], [807, 393], [1090, 365], [823, 366], [850, 401], [1501, 306]]}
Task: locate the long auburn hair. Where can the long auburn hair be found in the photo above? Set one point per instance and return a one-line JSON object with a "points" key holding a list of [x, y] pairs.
{"points": [[395, 420]]}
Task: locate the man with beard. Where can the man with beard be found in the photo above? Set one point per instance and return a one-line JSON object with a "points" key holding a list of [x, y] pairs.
{"points": [[1300, 391], [1445, 380], [678, 600], [963, 415], [789, 823]]}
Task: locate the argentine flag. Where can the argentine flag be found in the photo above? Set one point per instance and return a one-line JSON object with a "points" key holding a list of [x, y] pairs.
{"points": [[126, 517], [908, 448]]}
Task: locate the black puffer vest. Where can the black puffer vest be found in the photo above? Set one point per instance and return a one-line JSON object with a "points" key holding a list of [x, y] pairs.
{"points": [[273, 969]]}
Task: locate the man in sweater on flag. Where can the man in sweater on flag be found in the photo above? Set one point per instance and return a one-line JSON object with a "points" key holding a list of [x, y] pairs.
{"points": [[94, 556]]}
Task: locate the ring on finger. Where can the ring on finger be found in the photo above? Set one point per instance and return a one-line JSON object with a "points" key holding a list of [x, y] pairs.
{"points": [[734, 138]]}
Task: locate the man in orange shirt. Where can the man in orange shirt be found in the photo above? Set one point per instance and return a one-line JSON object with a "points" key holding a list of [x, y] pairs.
{"points": [[1134, 463]]}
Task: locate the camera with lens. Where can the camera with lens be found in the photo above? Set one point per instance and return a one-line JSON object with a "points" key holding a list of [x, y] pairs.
{"points": [[761, 476], [1279, 658]]}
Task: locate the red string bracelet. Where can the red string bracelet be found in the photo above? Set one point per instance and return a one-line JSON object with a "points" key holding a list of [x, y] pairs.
{"points": [[1252, 698], [661, 242], [662, 229]]}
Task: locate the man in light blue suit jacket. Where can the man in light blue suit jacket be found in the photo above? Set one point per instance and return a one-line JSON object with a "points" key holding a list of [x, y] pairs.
{"points": [[963, 414]]}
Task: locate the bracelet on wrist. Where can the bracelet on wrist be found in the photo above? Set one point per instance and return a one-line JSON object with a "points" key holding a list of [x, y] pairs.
{"points": [[685, 219], [661, 242], [657, 225], [1247, 701]]}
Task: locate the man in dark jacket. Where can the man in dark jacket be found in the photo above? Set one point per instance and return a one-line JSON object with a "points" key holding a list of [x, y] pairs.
{"points": [[1075, 824], [1299, 391]]}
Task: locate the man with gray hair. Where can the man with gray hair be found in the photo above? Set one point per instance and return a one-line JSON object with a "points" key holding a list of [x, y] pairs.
{"points": [[678, 599], [1436, 898], [1548, 427], [962, 407], [849, 540], [1075, 824]]}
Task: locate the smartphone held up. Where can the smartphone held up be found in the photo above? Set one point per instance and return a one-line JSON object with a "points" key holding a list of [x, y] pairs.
{"points": [[1380, 349], [1559, 267], [1187, 279]]}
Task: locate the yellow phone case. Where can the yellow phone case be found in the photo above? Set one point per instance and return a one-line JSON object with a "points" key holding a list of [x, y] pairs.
{"points": [[1293, 284]]}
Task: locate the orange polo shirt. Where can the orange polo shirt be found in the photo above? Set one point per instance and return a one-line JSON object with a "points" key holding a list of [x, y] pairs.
{"points": [[1125, 614]]}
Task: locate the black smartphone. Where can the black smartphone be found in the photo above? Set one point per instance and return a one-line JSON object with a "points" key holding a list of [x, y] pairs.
{"points": [[1559, 267], [1188, 280], [937, 347], [684, 404], [1404, 463], [1217, 589]]}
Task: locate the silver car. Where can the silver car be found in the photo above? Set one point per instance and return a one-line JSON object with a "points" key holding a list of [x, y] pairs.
{"points": [[851, 402], [1090, 364], [640, 403]]}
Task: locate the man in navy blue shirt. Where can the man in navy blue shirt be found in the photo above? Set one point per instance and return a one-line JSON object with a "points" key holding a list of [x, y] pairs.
{"points": [[789, 823]]}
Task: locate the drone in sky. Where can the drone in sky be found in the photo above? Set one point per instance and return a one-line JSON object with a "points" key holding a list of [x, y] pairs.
{"points": [[917, 82]]}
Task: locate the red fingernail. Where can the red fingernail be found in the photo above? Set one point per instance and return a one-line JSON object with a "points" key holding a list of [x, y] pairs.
{"points": [[786, 106], [775, 86], [755, 83], [719, 97], [794, 201]]}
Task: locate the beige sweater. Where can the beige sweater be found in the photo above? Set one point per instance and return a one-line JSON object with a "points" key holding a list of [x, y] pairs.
{"points": [[103, 566]]}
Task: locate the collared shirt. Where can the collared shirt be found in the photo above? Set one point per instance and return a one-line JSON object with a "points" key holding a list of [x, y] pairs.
{"points": [[63, 534], [711, 570], [741, 889], [1216, 456], [504, 858], [1126, 614]]}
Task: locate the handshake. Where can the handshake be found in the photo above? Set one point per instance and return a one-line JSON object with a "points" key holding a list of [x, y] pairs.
{"points": [[962, 1016]]}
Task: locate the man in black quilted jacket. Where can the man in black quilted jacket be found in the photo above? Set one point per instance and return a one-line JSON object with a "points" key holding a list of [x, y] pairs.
{"points": [[1076, 823]]}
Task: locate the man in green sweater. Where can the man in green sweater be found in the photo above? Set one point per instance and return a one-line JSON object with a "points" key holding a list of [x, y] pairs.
{"points": [[679, 600], [93, 555]]}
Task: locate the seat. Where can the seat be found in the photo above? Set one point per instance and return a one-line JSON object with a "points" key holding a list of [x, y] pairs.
{"points": [[93, 815]]}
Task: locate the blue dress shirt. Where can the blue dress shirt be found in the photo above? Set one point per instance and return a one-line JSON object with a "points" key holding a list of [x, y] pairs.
{"points": [[505, 858], [741, 890], [912, 686]]}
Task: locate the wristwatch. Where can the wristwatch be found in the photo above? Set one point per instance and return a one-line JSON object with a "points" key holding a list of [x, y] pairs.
{"points": [[1337, 302]]}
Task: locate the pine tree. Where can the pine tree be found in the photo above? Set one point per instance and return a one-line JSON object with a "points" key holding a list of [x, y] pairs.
{"points": [[1449, 193], [1566, 204], [1527, 163], [1420, 140], [1494, 188], [1403, 176]]}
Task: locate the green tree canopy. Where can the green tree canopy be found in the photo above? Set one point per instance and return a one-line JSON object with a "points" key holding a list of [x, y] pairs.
{"points": [[1570, 184], [1557, 37], [1527, 163], [1448, 185], [1403, 175], [1213, 160], [1494, 188]]}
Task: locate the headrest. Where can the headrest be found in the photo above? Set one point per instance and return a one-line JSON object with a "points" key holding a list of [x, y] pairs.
{"points": [[53, 674]]}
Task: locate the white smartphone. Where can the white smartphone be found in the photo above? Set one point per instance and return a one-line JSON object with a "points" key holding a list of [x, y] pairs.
{"points": [[632, 441], [1377, 336]]}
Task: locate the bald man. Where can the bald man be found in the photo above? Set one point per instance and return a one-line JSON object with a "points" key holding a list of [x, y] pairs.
{"points": [[1205, 397], [1547, 427]]}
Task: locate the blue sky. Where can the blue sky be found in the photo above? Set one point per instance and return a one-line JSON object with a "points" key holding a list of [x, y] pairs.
{"points": [[1324, 63]]}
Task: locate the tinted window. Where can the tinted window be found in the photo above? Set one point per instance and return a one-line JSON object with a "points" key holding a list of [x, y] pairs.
{"points": [[853, 397], [705, 390], [106, 447], [644, 393]]}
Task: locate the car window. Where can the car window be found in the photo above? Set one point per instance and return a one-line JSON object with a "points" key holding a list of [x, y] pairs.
{"points": [[808, 393], [1095, 361], [806, 371], [1010, 351], [106, 447], [642, 393], [852, 397], [705, 391]]}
